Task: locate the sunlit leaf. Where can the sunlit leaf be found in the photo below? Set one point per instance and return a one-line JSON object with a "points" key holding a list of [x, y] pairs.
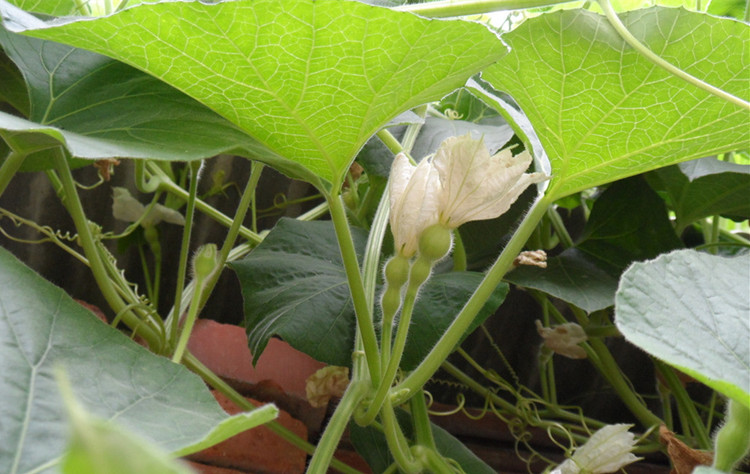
{"points": [[603, 112], [310, 80]]}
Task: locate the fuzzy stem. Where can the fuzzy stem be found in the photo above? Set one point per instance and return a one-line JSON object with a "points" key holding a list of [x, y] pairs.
{"points": [[397, 442], [733, 439], [356, 287], [99, 270], [332, 434], [184, 250], [447, 342], [421, 420]]}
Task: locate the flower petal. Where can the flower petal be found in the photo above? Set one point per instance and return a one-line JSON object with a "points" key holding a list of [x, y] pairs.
{"points": [[476, 185], [413, 192]]}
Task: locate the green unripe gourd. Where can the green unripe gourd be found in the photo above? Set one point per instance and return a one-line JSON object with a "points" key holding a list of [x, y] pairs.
{"points": [[390, 302], [397, 271], [420, 272], [435, 242]]}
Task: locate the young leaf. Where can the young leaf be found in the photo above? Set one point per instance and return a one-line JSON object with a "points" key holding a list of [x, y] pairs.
{"points": [[114, 378], [604, 112], [691, 310], [311, 80]]}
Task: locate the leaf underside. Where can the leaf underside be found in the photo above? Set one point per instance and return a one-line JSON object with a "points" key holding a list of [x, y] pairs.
{"points": [[603, 112]]}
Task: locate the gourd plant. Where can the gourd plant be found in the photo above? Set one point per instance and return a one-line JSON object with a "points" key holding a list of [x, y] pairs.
{"points": [[302, 86]]}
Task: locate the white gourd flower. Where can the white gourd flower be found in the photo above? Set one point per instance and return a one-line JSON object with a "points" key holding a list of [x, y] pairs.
{"points": [[461, 182], [477, 186], [608, 450], [413, 192]]}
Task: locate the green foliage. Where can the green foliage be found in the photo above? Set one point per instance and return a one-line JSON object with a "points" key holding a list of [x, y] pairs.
{"points": [[690, 309], [306, 86], [628, 223], [42, 328], [312, 81], [704, 188], [604, 112], [101, 108]]}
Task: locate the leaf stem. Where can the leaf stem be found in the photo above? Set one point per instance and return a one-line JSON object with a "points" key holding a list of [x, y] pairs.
{"points": [[167, 185], [684, 404], [397, 442], [184, 250], [447, 342], [421, 419], [356, 287], [614, 20], [449, 8], [98, 269], [9, 168]]}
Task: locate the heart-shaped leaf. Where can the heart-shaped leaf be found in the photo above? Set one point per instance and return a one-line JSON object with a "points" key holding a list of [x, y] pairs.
{"points": [[42, 328], [691, 310], [312, 80], [100, 108], [603, 111], [294, 286]]}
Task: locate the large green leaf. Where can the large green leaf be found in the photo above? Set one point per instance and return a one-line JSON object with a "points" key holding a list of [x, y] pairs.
{"points": [[42, 328], [440, 300], [705, 187], [312, 80], [628, 222], [294, 286], [100, 108], [604, 112], [692, 310]]}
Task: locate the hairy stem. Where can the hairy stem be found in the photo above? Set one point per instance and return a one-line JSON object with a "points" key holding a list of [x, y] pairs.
{"points": [[447, 342]]}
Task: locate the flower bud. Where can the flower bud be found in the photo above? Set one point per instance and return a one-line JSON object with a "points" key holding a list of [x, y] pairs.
{"points": [[204, 261], [435, 242]]}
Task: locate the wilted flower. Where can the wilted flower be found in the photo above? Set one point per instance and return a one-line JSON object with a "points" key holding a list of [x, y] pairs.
{"points": [[127, 208], [327, 382], [460, 183], [564, 339], [608, 450]]}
